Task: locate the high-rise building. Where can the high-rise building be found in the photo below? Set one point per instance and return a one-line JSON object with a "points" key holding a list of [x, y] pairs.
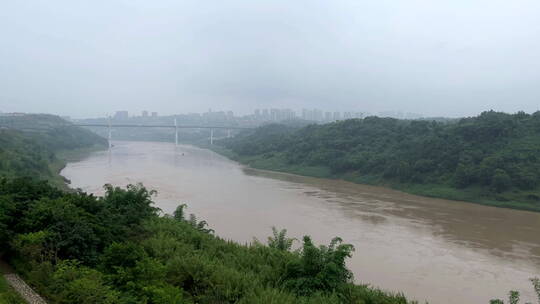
{"points": [[317, 115], [144, 114], [337, 116], [273, 114], [287, 114], [328, 116], [305, 114], [119, 115], [154, 114]]}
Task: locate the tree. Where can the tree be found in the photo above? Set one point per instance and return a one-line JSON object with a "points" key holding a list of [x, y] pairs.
{"points": [[464, 176], [179, 212], [279, 240], [465, 155], [501, 180], [34, 246], [72, 283], [319, 268], [179, 215]]}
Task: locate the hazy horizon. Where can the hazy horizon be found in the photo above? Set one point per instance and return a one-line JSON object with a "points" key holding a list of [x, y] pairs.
{"points": [[445, 58]]}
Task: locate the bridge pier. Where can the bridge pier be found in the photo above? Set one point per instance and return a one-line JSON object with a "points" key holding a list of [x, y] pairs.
{"points": [[110, 134], [211, 136], [175, 132]]}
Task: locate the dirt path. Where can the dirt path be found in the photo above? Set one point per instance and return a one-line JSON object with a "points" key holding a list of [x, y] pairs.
{"points": [[20, 286]]}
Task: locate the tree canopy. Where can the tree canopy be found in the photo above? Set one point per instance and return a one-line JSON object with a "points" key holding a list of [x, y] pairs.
{"points": [[29, 144], [494, 156]]}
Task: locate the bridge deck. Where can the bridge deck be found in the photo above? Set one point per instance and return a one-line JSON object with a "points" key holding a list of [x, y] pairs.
{"points": [[161, 126]]}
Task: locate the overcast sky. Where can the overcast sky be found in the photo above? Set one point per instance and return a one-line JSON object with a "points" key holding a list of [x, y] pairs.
{"points": [[434, 57]]}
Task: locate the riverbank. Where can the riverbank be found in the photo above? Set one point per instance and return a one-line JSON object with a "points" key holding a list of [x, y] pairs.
{"points": [[471, 195], [62, 157], [40, 145]]}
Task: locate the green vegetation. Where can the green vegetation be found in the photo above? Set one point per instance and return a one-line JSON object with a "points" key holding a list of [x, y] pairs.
{"points": [[492, 159], [7, 294], [73, 247], [77, 248], [38, 146], [514, 296]]}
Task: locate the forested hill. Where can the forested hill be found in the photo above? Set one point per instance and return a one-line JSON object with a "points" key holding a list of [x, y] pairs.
{"points": [[29, 144], [493, 158]]}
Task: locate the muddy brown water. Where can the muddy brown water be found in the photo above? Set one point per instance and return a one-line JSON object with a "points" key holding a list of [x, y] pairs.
{"points": [[431, 249]]}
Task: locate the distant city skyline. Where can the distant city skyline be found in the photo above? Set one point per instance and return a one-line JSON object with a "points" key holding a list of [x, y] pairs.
{"points": [[297, 110], [315, 114], [274, 114]]}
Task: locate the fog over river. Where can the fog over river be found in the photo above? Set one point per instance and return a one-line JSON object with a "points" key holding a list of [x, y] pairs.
{"points": [[431, 249]]}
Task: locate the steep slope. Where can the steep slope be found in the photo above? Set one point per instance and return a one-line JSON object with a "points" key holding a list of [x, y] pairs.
{"points": [[30, 144]]}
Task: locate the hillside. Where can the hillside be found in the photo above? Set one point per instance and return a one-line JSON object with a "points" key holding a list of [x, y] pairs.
{"points": [[492, 159], [30, 145]]}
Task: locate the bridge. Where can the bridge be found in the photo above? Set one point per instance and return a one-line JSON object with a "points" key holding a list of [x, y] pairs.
{"points": [[7, 122], [176, 127]]}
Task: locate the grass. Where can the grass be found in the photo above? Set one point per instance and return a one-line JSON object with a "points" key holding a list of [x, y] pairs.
{"points": [[473, 195], [7, 294], [219, 150], [509, 199], [277, 163]]}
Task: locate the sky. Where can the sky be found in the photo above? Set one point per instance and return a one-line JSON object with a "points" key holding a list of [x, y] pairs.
{"points": [[433, 57]]}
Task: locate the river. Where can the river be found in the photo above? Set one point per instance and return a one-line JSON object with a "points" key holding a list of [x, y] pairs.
{"points": [[430, 249]]}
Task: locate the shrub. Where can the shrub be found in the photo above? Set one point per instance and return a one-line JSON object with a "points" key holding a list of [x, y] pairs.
{"points": [[319, 268]]}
